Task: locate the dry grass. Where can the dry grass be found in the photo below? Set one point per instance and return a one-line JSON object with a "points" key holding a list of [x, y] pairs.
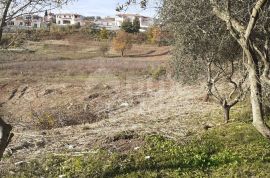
{"points": [[60, 68], [76, 47], [108, 95]]}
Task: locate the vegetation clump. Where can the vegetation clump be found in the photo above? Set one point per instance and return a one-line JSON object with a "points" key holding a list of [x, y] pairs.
{"points": [[131, 27]]}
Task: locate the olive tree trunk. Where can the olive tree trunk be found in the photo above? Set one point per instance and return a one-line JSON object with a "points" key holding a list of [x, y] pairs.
{"points": [[256, 93], [5, 136], [226, 110], [255, 98]]}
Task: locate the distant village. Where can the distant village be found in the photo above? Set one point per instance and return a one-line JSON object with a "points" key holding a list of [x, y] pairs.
{"points": [[69, 19]]}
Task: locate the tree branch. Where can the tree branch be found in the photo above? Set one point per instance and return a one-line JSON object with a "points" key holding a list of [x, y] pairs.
{"points": [[253, 17], [226, 17]]}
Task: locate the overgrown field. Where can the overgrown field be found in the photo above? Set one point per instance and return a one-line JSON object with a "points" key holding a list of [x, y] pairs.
{"points": [[234, 150], [79, 114]]}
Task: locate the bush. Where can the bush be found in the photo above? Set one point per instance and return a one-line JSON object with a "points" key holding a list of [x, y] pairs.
{"points": [[92, 31], [104, 48], [159, 36], [14, 40], [158, 72], [139, 38], [104, 34], [57, 118], [44, 121], [6, 40]]}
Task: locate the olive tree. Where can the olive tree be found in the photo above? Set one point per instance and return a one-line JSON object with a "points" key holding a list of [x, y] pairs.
{"points": [[247, 21], [201, 51]]}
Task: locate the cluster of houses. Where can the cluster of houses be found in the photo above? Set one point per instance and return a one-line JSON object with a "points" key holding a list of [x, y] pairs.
{"points": [[65, 19]]}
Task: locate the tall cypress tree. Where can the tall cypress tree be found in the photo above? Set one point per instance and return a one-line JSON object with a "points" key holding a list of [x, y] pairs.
{"points": [[136, 25]]}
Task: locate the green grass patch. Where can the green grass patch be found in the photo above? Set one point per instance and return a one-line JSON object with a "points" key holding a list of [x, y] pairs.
{"points": [[233, 150]]}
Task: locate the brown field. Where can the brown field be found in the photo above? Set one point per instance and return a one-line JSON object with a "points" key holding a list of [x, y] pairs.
{"points": [[63, 93]]}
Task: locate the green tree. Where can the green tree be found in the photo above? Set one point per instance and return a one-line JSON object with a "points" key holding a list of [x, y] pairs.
{"points": [[104, 34], [127, 26], [136, 25]]}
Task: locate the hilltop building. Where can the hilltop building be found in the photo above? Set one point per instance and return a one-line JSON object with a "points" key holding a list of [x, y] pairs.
{"points": [[107, 22], [49, 18], [114, 23], [65, 19], [145, 22], [26, 21], [69, 19]]}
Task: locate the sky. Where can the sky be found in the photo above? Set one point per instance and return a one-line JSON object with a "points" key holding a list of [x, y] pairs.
{"points": [[101, 8]]}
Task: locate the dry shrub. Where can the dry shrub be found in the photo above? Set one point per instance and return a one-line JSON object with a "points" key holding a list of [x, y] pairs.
{"points": [[57, 118], [104, 48], [158, 72], [12, 40], [139, 38]]}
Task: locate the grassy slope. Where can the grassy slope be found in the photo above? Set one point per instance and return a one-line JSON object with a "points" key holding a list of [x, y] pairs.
{"points": [[234, 150]]}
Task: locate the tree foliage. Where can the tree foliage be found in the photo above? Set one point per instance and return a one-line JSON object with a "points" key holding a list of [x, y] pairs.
{"points": [[136, 25], [122, 42], [201, 51], [127, 26], [131, 27], [246, 22], [154, 34], [104, 34]]}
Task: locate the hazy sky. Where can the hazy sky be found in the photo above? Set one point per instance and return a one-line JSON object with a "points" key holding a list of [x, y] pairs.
{"points": [[100, 8]]}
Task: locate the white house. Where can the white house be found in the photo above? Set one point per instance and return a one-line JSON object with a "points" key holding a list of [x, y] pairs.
{"points": [[145, 22], [107, 22], [50, 18], [26, 21], [34, 21], [69, 19]]}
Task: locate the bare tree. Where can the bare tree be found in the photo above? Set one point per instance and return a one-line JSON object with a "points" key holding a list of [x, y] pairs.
{"points": [[10, 9], [224, 74]]}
